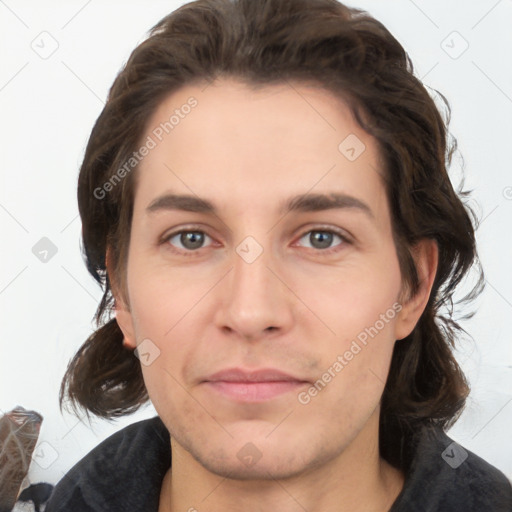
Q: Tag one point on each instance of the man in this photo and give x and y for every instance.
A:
(266, 201)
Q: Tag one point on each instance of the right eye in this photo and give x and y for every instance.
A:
(186, 240)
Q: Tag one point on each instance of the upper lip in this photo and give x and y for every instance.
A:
(261, 375)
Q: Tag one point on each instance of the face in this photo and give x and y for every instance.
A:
(280, 258)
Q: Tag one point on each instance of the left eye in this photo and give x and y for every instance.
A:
(322, 239)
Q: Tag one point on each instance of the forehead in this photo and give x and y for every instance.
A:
(229, 141)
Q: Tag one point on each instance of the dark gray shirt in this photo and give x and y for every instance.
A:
(124, 474)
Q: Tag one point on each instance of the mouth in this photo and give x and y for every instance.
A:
(252, 386)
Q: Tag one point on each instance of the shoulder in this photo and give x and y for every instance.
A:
(126, 468)
(444, 477)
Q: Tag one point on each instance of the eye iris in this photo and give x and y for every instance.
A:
(192, 239)
(323, 238)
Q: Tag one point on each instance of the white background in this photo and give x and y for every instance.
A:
(48, 107)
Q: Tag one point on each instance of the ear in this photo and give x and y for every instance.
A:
(425, 254)
(124, 316)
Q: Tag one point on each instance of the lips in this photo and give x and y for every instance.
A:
(263, 375)
(252, 386)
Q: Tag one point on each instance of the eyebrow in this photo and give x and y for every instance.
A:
(300, 203)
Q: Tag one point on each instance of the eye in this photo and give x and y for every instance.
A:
(187, 241)
(190, 241)
(322, 239)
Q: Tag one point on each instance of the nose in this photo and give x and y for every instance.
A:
(255, 301)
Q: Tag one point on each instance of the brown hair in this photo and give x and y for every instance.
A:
(352, 55)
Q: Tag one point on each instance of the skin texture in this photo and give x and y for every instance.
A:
(206, 308)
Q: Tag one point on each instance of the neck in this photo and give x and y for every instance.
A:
(356, 480)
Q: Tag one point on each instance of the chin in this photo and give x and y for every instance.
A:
(259, 457)
(273, 467)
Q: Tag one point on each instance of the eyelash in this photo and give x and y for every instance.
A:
(192, 253)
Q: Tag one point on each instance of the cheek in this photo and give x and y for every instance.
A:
(353, 297)
(168, 310)
(162, 297)
(360, 310)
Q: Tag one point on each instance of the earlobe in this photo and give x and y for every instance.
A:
(425, 255)
(125, 322)
(122, 313)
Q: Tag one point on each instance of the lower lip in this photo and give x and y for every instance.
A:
(254, 391)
